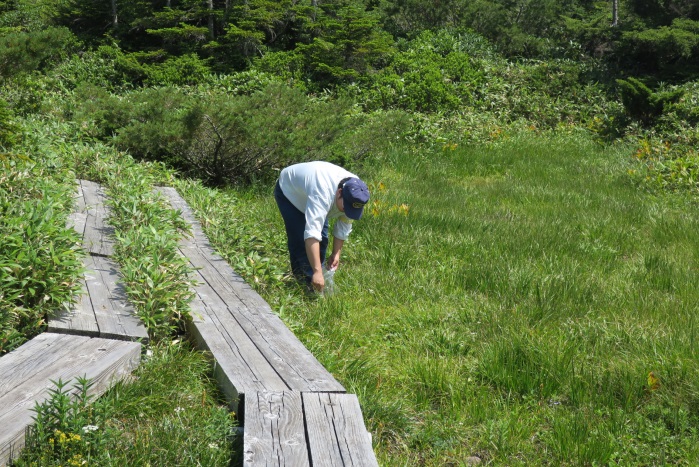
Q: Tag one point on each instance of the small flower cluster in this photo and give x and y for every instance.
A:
(379, 207)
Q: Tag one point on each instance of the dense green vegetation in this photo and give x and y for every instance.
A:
(521, 288)
(521, 301)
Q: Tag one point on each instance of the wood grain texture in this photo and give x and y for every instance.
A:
(115, 316)
(274, 432)
(26, 376)
(98, 234)
(78, 217)
(240, 366)
(290, 359)
(103, 309)
(336, 432)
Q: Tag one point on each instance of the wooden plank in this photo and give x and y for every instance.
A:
(78, 217)
(103, 309)
(274, 434)
(18, 366)
(115, 316)
(240, 367)
(336, 432)
(79, 319)
(98, 237)
(26, 374)
(297, 366)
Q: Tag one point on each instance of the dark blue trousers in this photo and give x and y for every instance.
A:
(295, 223)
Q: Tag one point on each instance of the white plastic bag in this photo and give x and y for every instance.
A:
(328, 276)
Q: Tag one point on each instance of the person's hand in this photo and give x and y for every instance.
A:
(333, 262)
(317, 281)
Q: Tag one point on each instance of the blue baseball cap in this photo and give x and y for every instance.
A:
(355, 194)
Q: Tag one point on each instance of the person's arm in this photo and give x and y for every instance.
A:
(334, 259)
(313, 253)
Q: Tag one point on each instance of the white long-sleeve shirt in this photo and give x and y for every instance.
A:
(311, 188)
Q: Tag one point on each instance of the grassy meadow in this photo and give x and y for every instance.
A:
(527, 301)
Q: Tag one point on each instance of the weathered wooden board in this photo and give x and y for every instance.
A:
(297, 366)
(26, 374)
(240, 366)
(78, 217)
(98, 235)
(336, 432)
(274, 434)
(103, 309)
(230, 317)
(79, 319)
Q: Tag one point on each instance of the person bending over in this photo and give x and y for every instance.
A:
(309, 195)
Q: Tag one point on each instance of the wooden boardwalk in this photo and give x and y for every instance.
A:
(293, 410)
(28, 372)
(102, 309)
(98, 338)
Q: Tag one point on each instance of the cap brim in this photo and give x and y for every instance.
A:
(354, 213)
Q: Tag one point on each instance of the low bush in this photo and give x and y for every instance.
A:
(9, 130)
(23, 52)
(39, 260)
(643, 104)
(222, 138)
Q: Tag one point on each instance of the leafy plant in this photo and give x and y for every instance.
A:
(69, 428)
(9, 130)
(40, 260)
(156, 276)
(643, 104)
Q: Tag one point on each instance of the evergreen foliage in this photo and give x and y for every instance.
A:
(218, 137)
(641, 103)
(26, 51)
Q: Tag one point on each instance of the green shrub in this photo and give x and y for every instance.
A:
(242, 83)
(9, 130)
(286, 65)
(39, 260)
(67, 428)
(179, 71)
(219, 137)
(643, 104)
(106, 67)
(22, 52)
(434, 72)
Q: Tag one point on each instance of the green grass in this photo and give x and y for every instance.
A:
(506, 301)
(169, 413)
